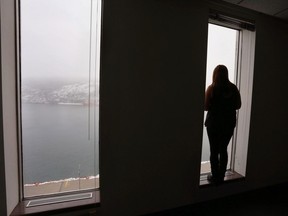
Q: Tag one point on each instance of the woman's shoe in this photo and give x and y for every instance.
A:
(210, 178)
(213, 180)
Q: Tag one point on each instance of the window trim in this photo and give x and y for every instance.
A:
(231, 147)
(226, 20)
(244, 81)
(246, 75)
(18, 97)
(57, 207)
(86, 205)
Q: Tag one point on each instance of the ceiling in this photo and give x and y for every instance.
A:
(277, 8)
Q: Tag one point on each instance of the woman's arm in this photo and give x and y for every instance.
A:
(237, 99)
(207, 98)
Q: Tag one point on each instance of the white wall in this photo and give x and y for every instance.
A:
(3, 208)
(152, 94)
(8, 68)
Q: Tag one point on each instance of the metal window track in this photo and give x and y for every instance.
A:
(59, 199)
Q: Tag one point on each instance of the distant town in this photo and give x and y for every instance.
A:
(77, 93)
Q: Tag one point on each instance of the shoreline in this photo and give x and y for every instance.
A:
(61, 186)
(60, 180)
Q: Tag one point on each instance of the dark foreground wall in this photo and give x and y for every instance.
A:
(152, 92)
(153, 75)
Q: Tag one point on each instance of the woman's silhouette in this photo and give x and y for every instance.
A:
(222, 99)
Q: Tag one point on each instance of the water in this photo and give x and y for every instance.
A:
(56, 143)
(205, 147)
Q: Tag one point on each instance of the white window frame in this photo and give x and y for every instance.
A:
(206, 164)
(96, 32)
(244, 82)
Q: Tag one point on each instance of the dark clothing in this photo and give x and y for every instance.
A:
(219, 140)
(221, 104)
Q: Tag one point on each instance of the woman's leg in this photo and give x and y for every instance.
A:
(223, 160)
(213, 137)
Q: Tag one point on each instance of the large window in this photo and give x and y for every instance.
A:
(231, 42)
(223, 49)
(59, 49)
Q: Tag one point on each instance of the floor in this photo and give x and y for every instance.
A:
(229, 176)
(272, 201)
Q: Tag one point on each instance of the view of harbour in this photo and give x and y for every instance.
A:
(60, 54)
(60, 61)
(56, 143)
(60, 132)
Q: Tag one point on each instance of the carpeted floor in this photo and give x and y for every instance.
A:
(272, 201)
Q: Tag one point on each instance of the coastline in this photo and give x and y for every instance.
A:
(61, 186)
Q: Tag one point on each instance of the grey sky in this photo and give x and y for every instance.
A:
(55, 36)
(55, 41)
(221, 50)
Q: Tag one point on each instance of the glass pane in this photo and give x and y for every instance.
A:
(222, 49)
(60, 95)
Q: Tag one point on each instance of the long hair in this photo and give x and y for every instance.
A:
(220, 76)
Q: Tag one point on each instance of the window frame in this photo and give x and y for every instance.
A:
(244, 81)
(236, 78)
(25, 200)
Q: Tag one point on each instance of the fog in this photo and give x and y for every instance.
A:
(55, 42)
(221, 50)
(55, 39)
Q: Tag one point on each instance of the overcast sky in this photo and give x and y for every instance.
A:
(55, 37)
(55, 41)
(221, 50)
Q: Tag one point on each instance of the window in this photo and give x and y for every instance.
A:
(59, 49)
(231, 42)
(222, 49)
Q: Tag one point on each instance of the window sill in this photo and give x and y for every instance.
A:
(230, 176)
(86, 204)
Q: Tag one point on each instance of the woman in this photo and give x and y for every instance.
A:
(222, 99)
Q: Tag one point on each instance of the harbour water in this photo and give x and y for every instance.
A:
(59, 142)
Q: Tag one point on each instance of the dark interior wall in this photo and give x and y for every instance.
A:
(268, 149)
(152, 91)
